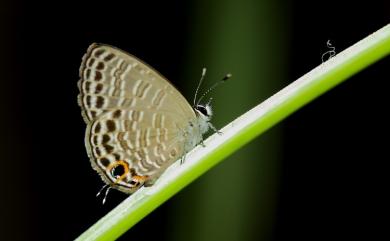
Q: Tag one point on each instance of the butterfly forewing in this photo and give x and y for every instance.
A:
(135, 118)
(111, 78)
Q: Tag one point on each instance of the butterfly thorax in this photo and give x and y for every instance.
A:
(196, 128)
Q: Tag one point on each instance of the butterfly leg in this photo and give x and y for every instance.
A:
(182, 159)
(202, 143)
(214, 129)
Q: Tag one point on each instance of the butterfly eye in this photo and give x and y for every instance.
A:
(202, 109)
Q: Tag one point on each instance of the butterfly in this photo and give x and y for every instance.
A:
(138, 123)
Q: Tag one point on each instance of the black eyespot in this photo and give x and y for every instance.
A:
(134, 183)
(202, 109)
(118, 171)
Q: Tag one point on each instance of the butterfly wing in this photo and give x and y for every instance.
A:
(134, 117)
(111, 78)
(147, 146)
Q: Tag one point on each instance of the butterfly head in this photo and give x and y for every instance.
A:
(204, 114)
(204, 111)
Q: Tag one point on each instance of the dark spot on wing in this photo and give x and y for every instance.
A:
(109, 148)
(99, 52)
(98, 76)
(91, 61)
(117, 114)
(105, 138)
(100, 66)
(99, 101)
(99, 88)
(110, 125)
(97, 150)
(109, 57)
(105, 162)
(98, 127)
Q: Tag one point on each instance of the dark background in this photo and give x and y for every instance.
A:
(330, 178)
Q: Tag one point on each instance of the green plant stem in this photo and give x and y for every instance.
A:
(241, 131)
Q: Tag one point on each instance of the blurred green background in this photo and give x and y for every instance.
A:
(317, 176)
(245, 38)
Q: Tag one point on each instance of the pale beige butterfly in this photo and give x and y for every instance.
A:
(137, 122)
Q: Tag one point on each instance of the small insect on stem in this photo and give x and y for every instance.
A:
(331, 52)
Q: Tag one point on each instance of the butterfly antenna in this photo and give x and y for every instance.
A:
(223, 80)
(208, 103)
(200, 82)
